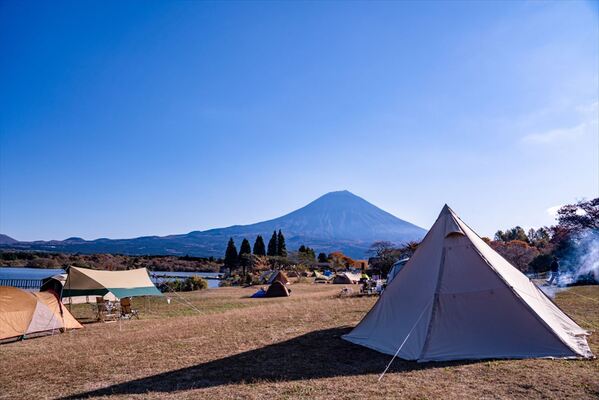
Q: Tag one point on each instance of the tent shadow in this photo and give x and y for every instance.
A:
(318, 354)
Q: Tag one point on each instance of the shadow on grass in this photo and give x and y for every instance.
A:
(318, 354)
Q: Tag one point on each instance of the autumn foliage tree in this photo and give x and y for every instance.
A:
(517, 252)
(340, 261)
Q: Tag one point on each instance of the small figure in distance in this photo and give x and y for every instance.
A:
(554, 268)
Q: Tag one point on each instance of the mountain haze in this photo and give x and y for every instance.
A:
(335, 221)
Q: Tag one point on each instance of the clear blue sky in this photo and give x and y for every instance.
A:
(120, 119)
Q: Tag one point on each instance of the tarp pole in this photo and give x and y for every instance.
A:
(70, 293)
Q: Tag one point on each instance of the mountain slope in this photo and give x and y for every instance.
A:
(5, 239)
(335, 221)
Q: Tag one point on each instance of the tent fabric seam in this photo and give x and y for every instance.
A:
(435, 305)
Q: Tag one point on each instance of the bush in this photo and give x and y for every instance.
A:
(192, 283)
(540, 263)
(225, 283)
(196, 283)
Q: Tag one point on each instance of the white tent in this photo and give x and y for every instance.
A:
(456, 298)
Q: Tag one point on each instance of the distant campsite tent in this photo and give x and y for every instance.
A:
(457, 298)
(279, 276)
(277, 289)
(259, 294)
(321, 277)
(266, 275)
(347, 278)
(24, 313)
(395, 269)
(130, 283)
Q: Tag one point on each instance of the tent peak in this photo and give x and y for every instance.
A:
(446, 209)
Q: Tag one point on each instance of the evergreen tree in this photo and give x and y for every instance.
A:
(281, 248)
(302, 249)
(272, 245)
(322, 258)
(231, 256)
(245, 252)
(310, 253)
(259, 249)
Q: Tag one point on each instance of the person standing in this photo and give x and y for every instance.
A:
(554, 268)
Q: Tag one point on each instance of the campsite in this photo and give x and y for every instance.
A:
(487, 331)
(279, 348)
(319, 200)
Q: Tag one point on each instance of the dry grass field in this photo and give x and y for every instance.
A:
(233, 347)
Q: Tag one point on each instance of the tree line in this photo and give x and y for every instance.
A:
(111, 262)
(233, 259)
(530, 251)
(533, 250)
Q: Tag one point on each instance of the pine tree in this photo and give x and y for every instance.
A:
(272, 245)
(310, 253)
(302, 249)
(259, 249)
(245, 252)
(281, 248)
(322, 258)
(231, 256)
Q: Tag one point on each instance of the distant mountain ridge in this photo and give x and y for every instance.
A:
(5, 239)
(335, 221)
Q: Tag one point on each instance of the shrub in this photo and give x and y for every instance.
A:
(196, 283)
(187, 285)
(540, 263)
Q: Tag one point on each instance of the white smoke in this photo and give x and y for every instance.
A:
(581, 262)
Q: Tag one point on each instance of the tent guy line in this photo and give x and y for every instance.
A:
(404, 341)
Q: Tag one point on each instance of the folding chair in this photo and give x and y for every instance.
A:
(126, 311)
(103, 313)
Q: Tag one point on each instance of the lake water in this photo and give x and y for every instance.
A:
(31, 278)
(211, 277)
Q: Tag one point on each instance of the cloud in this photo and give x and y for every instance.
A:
(555, 135)
(587, 113)
(552, 211)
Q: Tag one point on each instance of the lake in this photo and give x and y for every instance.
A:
(31, 278)
(211, 277)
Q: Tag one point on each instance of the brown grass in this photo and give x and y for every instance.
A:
(280, 348)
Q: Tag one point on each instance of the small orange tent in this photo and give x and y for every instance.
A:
(23, 313)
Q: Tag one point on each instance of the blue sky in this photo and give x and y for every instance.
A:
(120, 119)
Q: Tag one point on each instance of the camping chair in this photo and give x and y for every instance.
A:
(126, 311)
(103, 313)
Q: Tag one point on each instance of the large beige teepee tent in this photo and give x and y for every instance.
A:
(456, 298)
